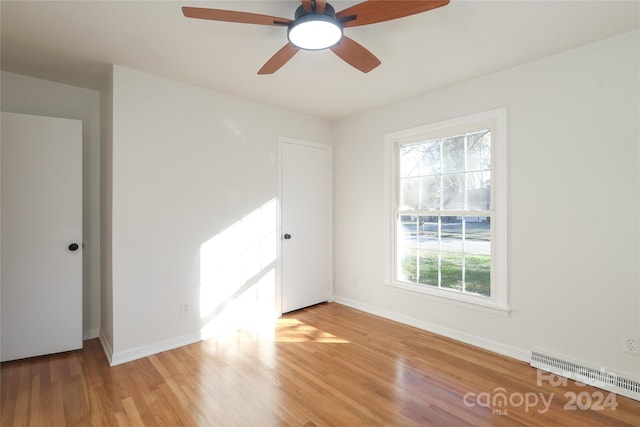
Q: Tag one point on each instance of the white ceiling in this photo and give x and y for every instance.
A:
(73, 42)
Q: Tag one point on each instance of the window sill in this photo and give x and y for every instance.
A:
(483, 304)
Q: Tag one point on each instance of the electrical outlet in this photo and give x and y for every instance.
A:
(184, 308)
(632, 346)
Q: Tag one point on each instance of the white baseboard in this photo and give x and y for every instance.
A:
(151, 349)
(105, 346)
(496, 347)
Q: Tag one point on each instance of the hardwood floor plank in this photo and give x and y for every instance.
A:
(131, 410)
(122, 420)
(23, 398)
(57, 404)
(327, 365)
(35, 409)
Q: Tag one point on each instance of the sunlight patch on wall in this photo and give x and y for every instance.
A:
(238, 275)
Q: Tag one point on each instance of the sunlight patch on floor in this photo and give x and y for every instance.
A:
(293, 330)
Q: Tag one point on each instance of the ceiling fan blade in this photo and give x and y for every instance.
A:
(320, 5)
(356, 55)
(279, 59)
(306, 5)
(372, 11)
(233, 16)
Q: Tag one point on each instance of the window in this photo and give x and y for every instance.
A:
(449, 209)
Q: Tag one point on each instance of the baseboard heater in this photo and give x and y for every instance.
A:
(587, 375)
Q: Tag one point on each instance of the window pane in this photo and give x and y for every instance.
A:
(453, 154)
(430, 157)
(451, 270)
(479, 191)
(430, 193)
(478, 235)
(477, 274)
(429, 268)
(409, 160)
(428, 232)
(453, 191)
(407, 267)
(408, 197)
(407, 230)
(451, 233)
(479, 150)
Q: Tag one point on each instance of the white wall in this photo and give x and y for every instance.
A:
(574, 193)
(187, 164)
(27, 95)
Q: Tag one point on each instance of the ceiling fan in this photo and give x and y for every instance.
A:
(318, 26)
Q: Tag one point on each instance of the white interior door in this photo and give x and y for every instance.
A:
(41, 179)
(305, 224)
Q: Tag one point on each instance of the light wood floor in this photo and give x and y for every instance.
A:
(326, 365)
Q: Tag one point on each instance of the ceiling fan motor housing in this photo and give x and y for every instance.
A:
(328, 10)
(322, 22)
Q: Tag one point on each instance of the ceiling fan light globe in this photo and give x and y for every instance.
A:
(314, 32)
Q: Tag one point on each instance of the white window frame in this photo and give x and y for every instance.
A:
(496, 120)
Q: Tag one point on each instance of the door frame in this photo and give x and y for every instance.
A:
(281, 141)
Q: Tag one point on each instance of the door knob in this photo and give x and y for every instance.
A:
(287, 236)
(73, 247)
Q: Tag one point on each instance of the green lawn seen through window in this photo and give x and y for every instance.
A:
(477, 270)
